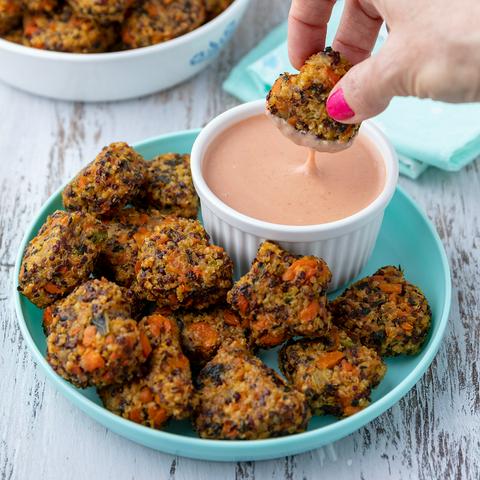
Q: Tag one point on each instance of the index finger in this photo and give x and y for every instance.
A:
(307, 28)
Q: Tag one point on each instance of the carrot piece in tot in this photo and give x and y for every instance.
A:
(390, 287)
(306, 264)
(350, 410)
(89, 335)
(52, 288)
(146, 395)
(145, 342)
(330, 359)
(91, 360)
(310, 311)
(242, 303)
(205, 333)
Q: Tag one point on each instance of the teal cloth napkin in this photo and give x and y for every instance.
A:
(424, 132)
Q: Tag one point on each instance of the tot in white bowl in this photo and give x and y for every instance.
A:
(118, 75)
(345, 244)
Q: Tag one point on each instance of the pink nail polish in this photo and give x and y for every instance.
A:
(338, 108)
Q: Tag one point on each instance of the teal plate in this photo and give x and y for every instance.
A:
(407, 238)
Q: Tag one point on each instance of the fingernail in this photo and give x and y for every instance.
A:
(337, 106)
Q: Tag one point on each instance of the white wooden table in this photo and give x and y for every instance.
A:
(433, 433)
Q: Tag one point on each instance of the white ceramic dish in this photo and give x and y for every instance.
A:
(118, 75)
(345, 244)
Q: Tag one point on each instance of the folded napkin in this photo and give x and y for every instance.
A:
(423, 132)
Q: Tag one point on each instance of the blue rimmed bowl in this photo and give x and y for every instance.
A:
(406, 238)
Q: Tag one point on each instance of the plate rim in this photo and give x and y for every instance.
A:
(232, 450)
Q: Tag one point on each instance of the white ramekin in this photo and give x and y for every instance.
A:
(118, 75)
(345, 244)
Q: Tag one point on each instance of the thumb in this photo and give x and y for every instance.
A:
(366, 89)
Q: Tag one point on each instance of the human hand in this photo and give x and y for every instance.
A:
(432, 51)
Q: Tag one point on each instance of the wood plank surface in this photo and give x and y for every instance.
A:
(433, 433)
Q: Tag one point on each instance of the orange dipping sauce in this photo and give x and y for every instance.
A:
(257, 171)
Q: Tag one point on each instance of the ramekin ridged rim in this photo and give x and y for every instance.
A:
(299, 233)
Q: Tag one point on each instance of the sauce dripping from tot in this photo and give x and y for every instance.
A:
(310, 166)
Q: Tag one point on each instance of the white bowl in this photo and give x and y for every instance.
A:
(118, 75)
(345, 244)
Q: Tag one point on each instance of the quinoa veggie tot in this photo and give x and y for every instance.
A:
(282, 295)
(241, 398)
(64, 31)
(125, 234)
(102, 11)
(92, 338)
(204, 332)
(165, 391)
(108, 183)
(10, 15)
(385, 312)
(16, 36)
(335, 373)
(39, 6)
(297, 104)
(169, 186)
(216, 7)
(155, 21)
(60, 257)
(178, 267)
